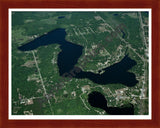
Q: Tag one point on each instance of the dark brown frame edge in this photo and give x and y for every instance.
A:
(6, 4)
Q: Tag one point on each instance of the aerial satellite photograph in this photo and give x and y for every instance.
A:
(80, 62)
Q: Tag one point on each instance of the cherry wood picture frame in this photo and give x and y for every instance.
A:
(106, 4)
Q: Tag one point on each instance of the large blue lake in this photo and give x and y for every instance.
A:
(70, 53)
(98, 100)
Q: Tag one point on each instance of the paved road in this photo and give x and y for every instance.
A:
(45, 92)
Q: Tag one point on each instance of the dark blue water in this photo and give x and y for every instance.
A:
(114, 74)
(123, 33)
(115, 14)
(60, 17)
(70, 53)
(98, 100)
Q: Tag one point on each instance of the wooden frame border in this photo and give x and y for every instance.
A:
(6, 4)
